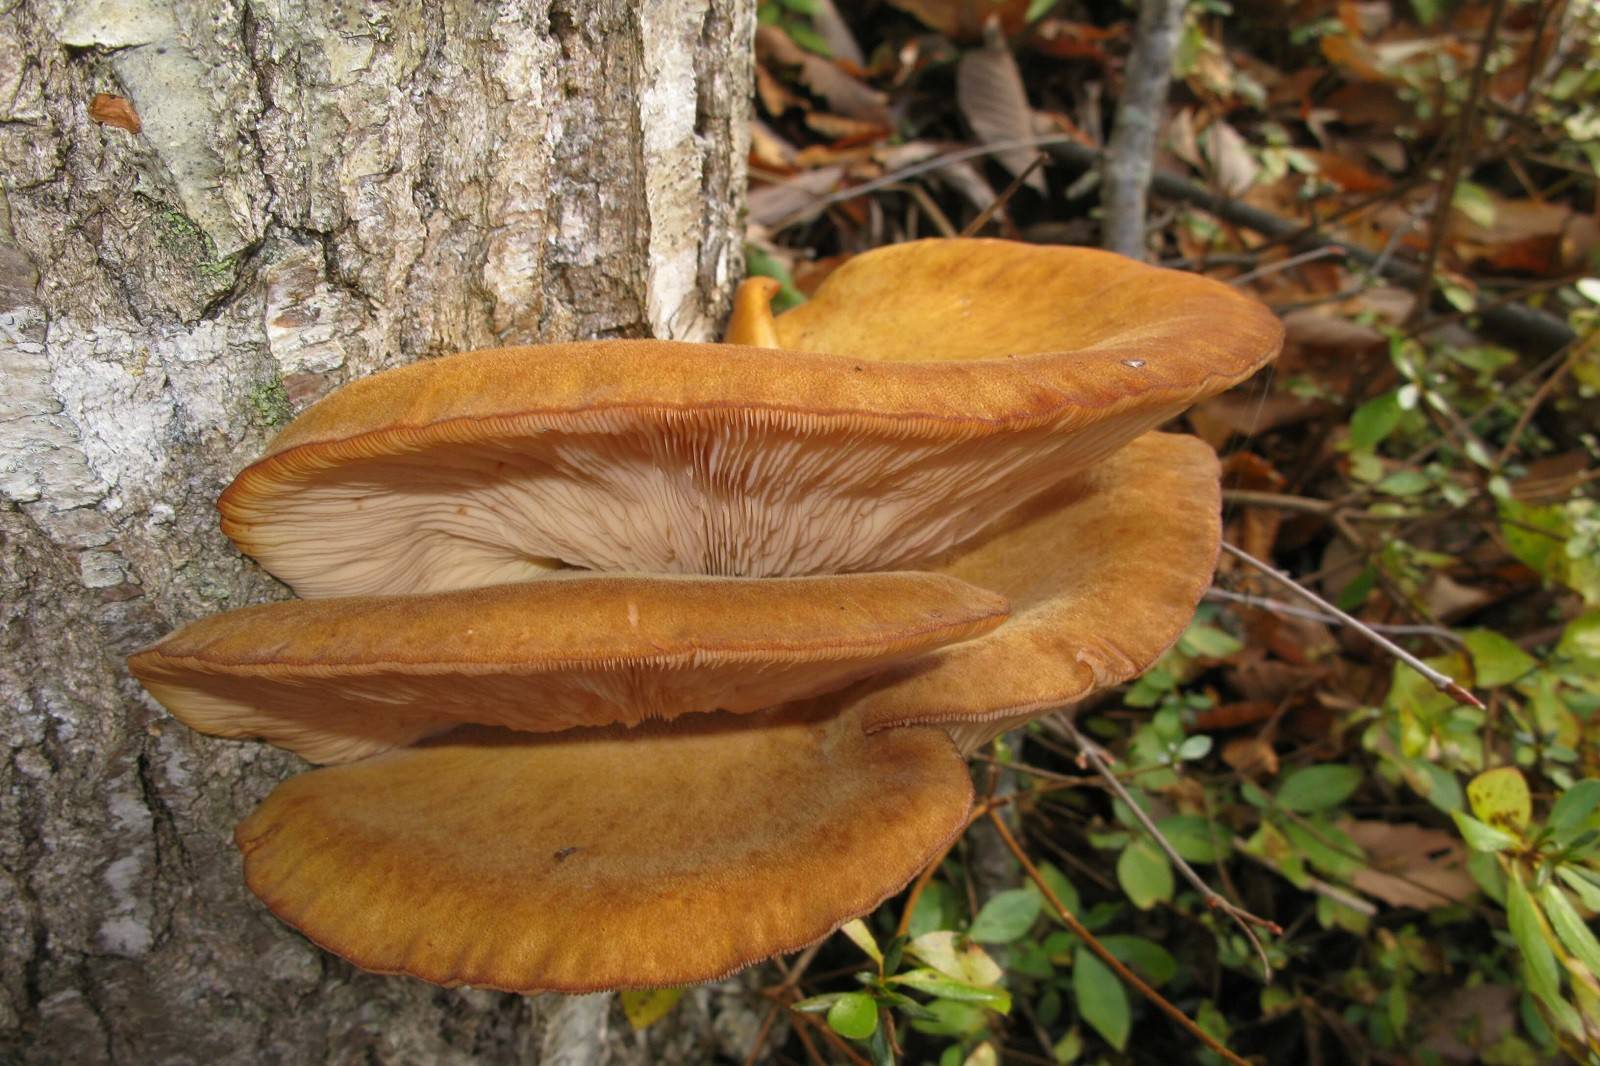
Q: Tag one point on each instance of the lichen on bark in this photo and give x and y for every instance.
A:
(320, 189)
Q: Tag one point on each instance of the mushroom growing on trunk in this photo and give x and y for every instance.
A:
(646, 660)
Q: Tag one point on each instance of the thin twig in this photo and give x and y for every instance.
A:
(1315, 884)
(1277, 500)
(1327, 251)
(1448, 685)
(1453, 167)
(938, 162)
(1291, 611)
(1102, 953)
(1534, 329)
(1540, 395)
(1241, 917)
(971, 229)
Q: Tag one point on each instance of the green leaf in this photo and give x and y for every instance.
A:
(643, 1007)
(862, 938)
(936, 908)
(1575, 806)
(1147, 958)
(808, 38)
(1317, 788)
(1191, 837)
(1404, 483)
(1474, 201)
(1145, 874)
(1500, 798)
(854, 1015)
(818, 1004)
(1585, 886)
(1068, 1048)
(1005, 917)
(1195, 747)
(1102, 1001)
(1373, 421)
(1208, 642)
(1496, 660)
(951, 1018)
(1061, 888)
(1481, 837)
(934, 983)
(1538, 960)
(1580, 642)
(1569, 926)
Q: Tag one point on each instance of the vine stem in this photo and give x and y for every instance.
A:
(1102, 953)
(1241, 917)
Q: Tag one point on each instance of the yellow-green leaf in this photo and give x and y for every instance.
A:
(861, 937)
(1570, 927)
(1500, 798)
(643, 1007)
(1495, 659)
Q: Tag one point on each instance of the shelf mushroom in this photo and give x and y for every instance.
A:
(335, 680)
(928, 388)
(915, 511)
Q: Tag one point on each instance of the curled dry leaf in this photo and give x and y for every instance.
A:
(845, 93)
(989, 90)
(965, 19)
(109, 110)
(1253, 756)
(1410, 865)
(1232, 166)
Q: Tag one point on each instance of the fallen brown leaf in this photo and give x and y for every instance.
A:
(1410, 865)
(991, 96)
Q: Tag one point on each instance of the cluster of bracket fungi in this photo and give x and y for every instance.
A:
(641, 661)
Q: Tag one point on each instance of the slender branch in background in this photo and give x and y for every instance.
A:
(1130, 157)
(1102, 953)
(1466, 126)
(1448, 685)
(1091, 753)
(1288, 610)
(999, 202)
(1535, 330)
(1540, 395)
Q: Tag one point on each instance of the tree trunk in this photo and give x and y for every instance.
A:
(314, 190)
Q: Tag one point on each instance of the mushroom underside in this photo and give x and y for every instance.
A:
(1103, 575)
(587, 860)
(754, 499)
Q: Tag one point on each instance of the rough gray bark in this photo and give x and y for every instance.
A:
(1130, 155)
(321, 188)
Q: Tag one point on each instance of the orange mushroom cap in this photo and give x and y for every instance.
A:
(1103, 574)
(586, 860)
(340, 679)
(926, 388)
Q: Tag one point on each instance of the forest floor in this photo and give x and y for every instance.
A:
(1411, 186)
